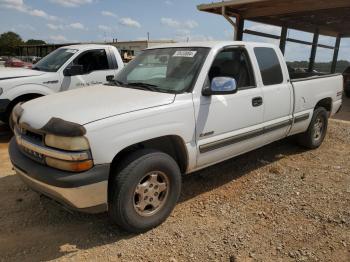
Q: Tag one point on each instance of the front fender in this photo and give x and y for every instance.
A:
(26, 89)
(110, 136)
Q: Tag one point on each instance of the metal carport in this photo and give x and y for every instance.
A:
(325, 17)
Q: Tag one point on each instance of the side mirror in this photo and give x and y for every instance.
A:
(221, 86)
(73, 70)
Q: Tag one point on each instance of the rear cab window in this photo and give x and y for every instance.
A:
(269, 65)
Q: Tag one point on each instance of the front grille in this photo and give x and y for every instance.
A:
(31, 143)
(33, 137)
(33, 155)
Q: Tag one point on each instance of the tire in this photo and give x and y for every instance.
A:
(13, 104)
(316, 131)
(8, 121)
(347, 93)
(7, 117)
(127, 204)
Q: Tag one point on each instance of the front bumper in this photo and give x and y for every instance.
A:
(86, 191)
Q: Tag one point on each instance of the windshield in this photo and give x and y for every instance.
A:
(171, 70)
(54, 61)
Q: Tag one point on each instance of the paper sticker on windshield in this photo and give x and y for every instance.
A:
(190, 54)
(73, 51)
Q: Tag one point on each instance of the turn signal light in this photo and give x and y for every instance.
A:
(72, 166)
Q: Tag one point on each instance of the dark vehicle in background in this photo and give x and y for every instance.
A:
(346, 76)
(15, 62)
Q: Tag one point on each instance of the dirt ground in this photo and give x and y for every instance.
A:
(278, 203)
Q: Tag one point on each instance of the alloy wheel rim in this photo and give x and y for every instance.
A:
(151, 193)
(318, 129)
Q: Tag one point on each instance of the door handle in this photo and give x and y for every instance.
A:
(109, 78)
(257, 101)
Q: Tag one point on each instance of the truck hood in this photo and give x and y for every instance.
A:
(85, 105)
(13, 73)
(12, 77)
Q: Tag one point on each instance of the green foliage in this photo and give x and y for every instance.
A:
(9, 43)
(324, 67)
(35, 42)
(342, 65)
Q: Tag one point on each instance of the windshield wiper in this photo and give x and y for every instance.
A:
(139, 85)
(144, 86)
(36, 68)
(115, 83)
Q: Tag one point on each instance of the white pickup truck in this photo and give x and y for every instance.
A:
(175, 109)
(66, 68)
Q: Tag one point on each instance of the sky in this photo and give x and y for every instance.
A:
(57, 21)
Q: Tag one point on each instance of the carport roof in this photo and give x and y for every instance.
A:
(330, 17)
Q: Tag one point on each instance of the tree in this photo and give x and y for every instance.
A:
(35, 42)
(9, 43)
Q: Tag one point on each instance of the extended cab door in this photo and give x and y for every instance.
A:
(277, 93)
(228, 125)
(97, 67)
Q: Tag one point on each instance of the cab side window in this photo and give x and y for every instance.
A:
(233, 63)
(269, 64)
(93, 60)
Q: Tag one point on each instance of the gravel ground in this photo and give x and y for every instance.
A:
(278, 203)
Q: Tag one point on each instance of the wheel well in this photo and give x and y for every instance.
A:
(22, 98)
(171, 145)
(326, 103)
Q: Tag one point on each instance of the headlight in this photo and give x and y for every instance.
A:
(74, 144)
(67, 143)
(1, 91)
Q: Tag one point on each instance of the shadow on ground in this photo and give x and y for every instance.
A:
(5, 133)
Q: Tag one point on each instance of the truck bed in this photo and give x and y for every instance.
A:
(309, 91)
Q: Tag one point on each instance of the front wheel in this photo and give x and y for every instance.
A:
(144, 191)
(8, 117)
(316, 131)
(347, 93)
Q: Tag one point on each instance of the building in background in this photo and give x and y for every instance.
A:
(127, 49)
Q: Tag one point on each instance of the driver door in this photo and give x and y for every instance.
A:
(229, 124)
(96, 69)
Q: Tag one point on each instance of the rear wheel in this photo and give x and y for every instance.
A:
(316, 131)
(144, 191)
(347, 93)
